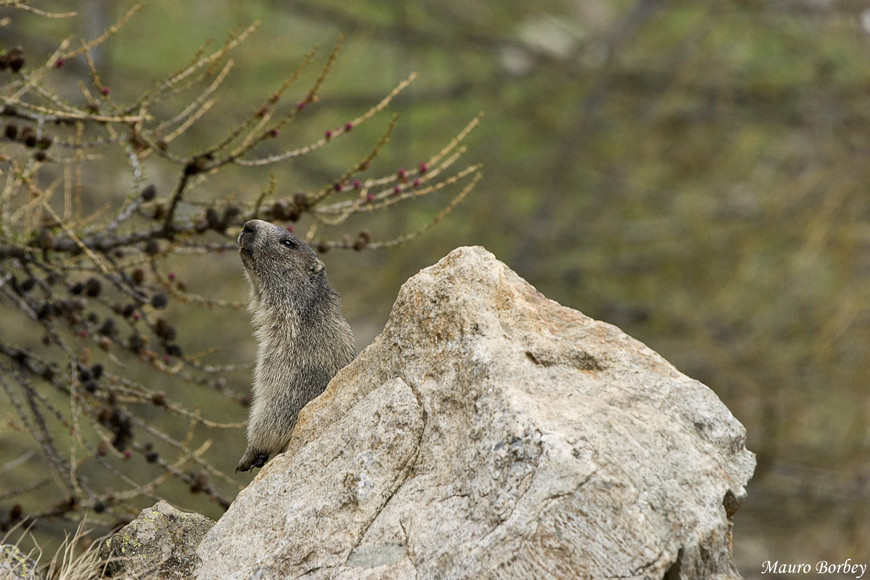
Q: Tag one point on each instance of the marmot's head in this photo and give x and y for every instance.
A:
(280, 267)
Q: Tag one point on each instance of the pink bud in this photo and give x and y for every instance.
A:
(348, 126)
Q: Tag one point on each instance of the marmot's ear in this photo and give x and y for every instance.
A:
(316, 266)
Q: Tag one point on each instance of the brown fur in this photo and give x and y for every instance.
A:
(303, 338)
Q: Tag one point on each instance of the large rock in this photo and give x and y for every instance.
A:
(491, 432)
(160, 543)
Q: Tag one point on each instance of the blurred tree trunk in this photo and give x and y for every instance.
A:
(97, 17)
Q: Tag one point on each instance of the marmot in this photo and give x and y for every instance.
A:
(303, 338)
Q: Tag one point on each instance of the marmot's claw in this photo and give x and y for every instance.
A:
(261, 460)
(252, 459)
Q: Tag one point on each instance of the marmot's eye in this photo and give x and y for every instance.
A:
(288, 243)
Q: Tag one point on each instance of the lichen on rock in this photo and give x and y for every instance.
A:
(16, 565)
(160, 543)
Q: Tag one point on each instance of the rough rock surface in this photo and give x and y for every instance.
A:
(16, 565)
(490, 432)
(160, 543)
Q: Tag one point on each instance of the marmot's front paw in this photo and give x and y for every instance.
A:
(251, 459)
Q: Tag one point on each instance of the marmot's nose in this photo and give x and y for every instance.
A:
(250, 227)
(248, 233)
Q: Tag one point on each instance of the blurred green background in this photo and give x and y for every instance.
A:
(693, 172)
